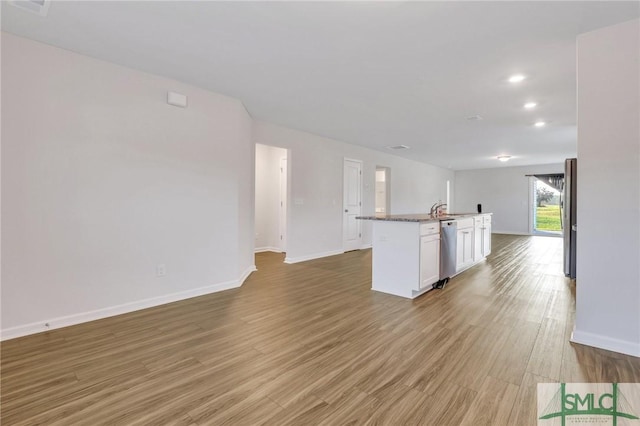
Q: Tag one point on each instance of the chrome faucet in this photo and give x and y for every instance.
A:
(434, 208)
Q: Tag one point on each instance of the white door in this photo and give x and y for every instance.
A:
(352, 205)
(283, 205)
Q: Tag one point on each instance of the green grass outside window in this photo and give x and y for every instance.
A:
(548, 218)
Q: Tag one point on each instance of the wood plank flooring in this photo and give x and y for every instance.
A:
(311, 344)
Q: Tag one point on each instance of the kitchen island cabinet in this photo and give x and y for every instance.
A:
(407, 252)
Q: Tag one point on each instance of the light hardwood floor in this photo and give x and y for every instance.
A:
(310, 344)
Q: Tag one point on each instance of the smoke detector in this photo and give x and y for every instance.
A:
(396, 147)
(39, 7)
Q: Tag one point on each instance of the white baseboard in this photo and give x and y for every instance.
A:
(366, 246)
(65, 321)
(604, 342)
(246, 274)
(312, 256)
(263, 249)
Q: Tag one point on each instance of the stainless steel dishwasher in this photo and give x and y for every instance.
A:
(448, 238)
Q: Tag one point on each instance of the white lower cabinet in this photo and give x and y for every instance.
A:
(477, 239)
(406, 257)
(429, 260)
(464, 248)
(486, 237)
(473, 241)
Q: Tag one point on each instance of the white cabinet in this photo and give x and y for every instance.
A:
(473, 242)
(477, 239)
(486, 235)
(464, 248)
(406, 257)
(429, 260)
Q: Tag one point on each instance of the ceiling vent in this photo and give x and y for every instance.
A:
(39, 7)
(398, 147)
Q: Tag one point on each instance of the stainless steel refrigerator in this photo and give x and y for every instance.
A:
(569, 207)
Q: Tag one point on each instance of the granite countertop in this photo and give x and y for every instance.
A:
(418, 217)
(401, 217)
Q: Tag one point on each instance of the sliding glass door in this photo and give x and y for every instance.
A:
(547, 213)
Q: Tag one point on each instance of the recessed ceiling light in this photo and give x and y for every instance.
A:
(539, 124)
(516, 78)
(503, 158)
(476, 117)
(399, 147)
(530, 105)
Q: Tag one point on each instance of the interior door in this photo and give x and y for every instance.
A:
(352, 205)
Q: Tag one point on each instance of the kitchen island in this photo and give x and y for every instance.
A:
(408, 249)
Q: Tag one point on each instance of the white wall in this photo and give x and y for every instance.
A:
(268, 197)
(503, 191)
(102, 181)
(243, 174)
(316, 167)
(608, 250)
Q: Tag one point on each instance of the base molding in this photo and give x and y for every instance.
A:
(245, 274)
(604, 342)
(66, 321)
(263, 249)
(312, 256)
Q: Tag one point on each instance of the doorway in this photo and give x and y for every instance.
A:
(271, 199)
(546, 211)
(352, 205)
(383, 187)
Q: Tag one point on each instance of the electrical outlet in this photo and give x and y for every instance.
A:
(161, 270)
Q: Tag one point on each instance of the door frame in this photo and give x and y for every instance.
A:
(283, 213)
(387, 189)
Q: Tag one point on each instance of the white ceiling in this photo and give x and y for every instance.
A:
(369, 73)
